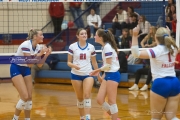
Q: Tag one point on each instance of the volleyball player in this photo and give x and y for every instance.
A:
(164, 94)
(20, 73)
(111, 67)
(80, 56)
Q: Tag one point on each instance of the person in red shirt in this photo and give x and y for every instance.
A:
(75, 8)
(57, 12)
(177, 64)
(174, 21)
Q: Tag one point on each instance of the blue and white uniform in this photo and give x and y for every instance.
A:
(162, 67)
(23, 69)
(113, 73)
(82, 58)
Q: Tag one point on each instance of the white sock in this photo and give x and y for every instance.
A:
(82, 117)
(15, 117)
(88, 117)
(27, 119)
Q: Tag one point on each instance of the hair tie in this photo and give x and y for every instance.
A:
(165, 35)
(105, 31)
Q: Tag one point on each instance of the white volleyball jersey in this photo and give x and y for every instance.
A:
(109, 52)
(162, 62)
(26, 47)
(82, 58)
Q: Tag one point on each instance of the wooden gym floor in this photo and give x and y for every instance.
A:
(58, 102)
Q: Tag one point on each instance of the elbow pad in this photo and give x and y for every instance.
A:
(105, 67)
(135, 51)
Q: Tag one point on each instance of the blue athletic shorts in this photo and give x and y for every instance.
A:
(114, 76)
(166, 87)
(19, 70)
(78, 77)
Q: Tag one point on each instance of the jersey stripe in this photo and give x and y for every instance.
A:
(152, 53)
(25, 49)
(93, 53)
(169, 56)
(108, 54)
(70, 51)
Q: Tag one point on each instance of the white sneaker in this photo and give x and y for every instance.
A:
(134, 87)
(145, 87)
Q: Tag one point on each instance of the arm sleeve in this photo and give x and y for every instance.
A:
(25, 48)
(93, 52)
(108, 51)
(70, 50)
(99, 21)
(89, 21)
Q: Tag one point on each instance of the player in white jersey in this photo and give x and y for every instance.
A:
(111, 75)
(164, 94)
(80, 56)
(20, 72)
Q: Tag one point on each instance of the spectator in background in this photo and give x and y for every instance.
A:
(49, 64)
(75, 8)
(132, 60)
(134, 22)
(126, 39)
(94, 22)
(116, 39)
(95, 6)
(119, 19)
(149, 40)
(57, 12)
(143, 71)
(130, 11)
(170, 16)
(123, 62)
(168, 7)
(144, 26)
(174, 22)
(177, 64)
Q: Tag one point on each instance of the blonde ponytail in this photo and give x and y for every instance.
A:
(31, 33)
(170, 44)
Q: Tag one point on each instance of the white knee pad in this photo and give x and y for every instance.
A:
(105, 106)
(20, 105)
(113, 109)
(28, 105)
(175, 118)
(87, 103)
(80, 104)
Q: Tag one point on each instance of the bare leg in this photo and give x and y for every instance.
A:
(157, 104)
(78, 88)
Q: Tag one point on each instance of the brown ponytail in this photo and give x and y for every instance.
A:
(107, 37)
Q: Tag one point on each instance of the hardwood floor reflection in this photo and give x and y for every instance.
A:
(58, 102)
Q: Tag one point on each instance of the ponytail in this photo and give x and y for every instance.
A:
(112, 40)
(107, 37)
(170, 44)
(31, 33)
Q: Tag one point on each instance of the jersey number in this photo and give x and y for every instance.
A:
(83, 56)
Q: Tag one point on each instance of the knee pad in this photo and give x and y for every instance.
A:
(105, 106)
(175, 118)
(28, 105)
(113, 109)
(20, 105)
(87, 103)
(80, 104)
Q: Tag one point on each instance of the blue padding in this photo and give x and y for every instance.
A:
(92, 41)
(108, 25)
(124, 77)
(118, 33)
(66, 48)
(53, 74)
(63, 57)
(98, 57)
(62, 66)
(134, 68)
(97, 47)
